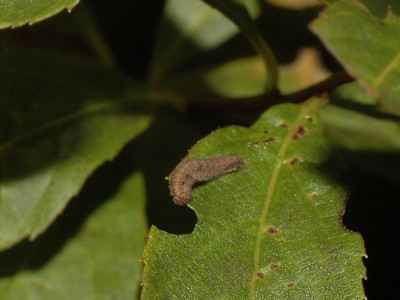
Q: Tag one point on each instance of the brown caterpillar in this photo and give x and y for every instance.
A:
(191, 171)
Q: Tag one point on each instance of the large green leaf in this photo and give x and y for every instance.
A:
(60, 118)
(269, 231)
(367, 47)
(100, 262)
(17, 12)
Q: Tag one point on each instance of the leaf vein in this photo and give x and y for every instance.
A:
(268, 199)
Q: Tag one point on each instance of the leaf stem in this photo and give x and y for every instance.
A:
(94, 38)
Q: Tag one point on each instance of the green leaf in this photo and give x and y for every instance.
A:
(245, 76)
(269, 231)
(100, 262)
(307, 69)
(359, 132)
(353, 122)
(60, 118)
(237, 11)
(367, 47)
(380, 8)
(238, 78)
(16, 12)
(363, 132)
(187, 29)
(241, 77)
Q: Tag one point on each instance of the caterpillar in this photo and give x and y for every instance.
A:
(189, 172)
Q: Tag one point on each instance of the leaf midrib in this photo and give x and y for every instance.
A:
(270, 192)
(51, 124)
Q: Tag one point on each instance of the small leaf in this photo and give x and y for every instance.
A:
(241, 77)
(245, 77)
(100, 262)
(353, 122)
(16, 12)
(307, 69)
(368, 48)
(187, 29)
(192, 27)
(269, 231)
(363, 132)
(359, 132)
(238, 78)
(239, 13)
(60, 118)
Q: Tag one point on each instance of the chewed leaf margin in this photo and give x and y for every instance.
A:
(271, 230)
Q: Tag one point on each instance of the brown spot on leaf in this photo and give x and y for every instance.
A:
(309, 118)
(290, 284)
(294, 161)
(260, 275)
(299, 132)
(273, 266)
(272, 230)
(284, 125)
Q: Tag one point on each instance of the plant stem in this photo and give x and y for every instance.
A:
(94, 38)
(260, 103)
